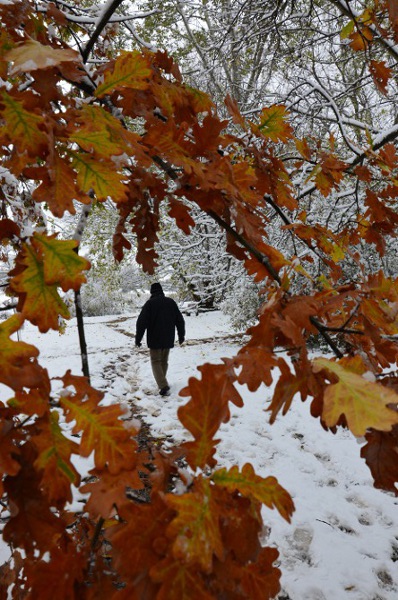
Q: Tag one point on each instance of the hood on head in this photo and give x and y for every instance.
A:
(156, 288)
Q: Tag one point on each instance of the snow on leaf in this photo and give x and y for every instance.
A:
(362, 402)
(195, 530)
(131, 70)
(273, 124)
(102, 430)
(246, 482)
(31, 55)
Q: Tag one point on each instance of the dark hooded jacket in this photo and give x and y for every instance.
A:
(160, 316)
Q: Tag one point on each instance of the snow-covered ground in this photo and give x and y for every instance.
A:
(342, 543)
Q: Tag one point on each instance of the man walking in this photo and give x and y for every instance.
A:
(160, 316)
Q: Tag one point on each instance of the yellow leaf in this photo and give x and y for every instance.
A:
(30, 55)
(273, 123)
(99, 131)
(62, 265)
(18, 367)
(102, 430)
(347, 30)
(41, 303)
(196, 527)
(131, 70)
(22, 126)
(100, 176)
(268, 491)
(58, 473)
(44, 265)
(362, 402)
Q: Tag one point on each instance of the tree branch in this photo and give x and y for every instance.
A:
(103, 20)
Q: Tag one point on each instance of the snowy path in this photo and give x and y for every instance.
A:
(342, 543)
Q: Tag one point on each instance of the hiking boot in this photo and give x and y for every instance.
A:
(165, 391)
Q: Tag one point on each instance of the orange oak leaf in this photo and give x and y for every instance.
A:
(288, 385)
(130, 70)
(9, 230)
(54, 460)
(139, 540)
(381, 74)
(179, 581)
(33, 402)
(10, 438)
(233, 109)
(260, 580)
(18, 364)
(267, 491)
(256, 366)
(304, 148)
(360, 39)
(362, 402)
(109, 490)
(60, 574)
(32, 525)
(102, 430)
(381, 455)
(328, 173)
(195, 531)
(393, 13)
(239, 514)
(31, 55)
(180, 212)
(388, 156)
(58, 188)
(206, 410)
(207, 134)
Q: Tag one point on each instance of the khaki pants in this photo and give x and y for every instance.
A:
(159, 364)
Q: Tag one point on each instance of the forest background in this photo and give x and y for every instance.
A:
(255, 170)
